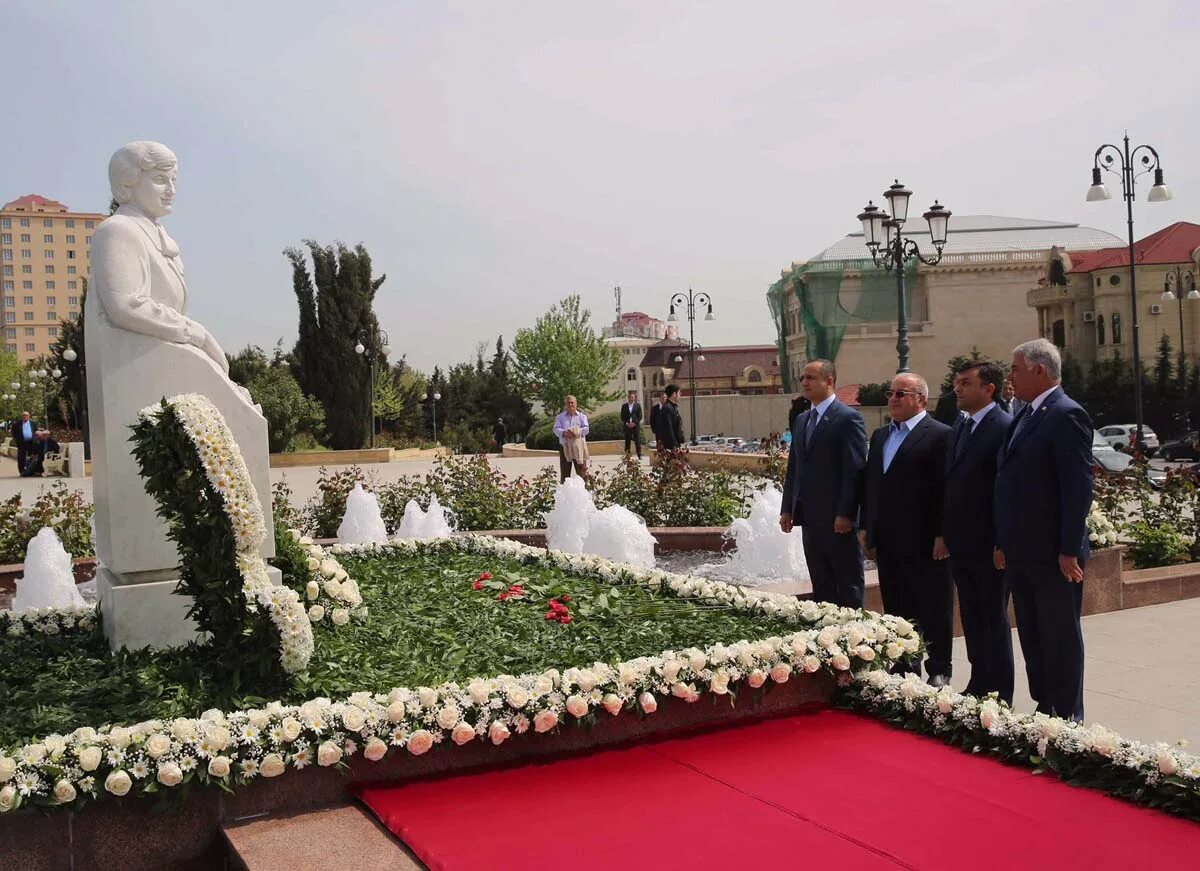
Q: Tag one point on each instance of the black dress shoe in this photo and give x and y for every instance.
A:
(939, 680)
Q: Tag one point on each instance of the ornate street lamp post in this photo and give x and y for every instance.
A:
(371, 346)
(436, 397)
(891, 250)
(692, 300)
(71, 355)
(1181, 285)
(1122, 162)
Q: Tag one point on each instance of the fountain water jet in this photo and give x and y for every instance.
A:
(363, 521)
(49, 580)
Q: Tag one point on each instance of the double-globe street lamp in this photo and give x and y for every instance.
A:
(692, 300)
(892, 250)
(71, 355)
(1128, 165)
(1181, 284)
(371, 346)
(436, 397)
(45, 376)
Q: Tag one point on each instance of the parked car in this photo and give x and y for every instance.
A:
(1107, 457)
(1184, 448)
(1119, 436)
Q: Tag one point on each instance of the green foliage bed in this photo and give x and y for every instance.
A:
(427, 625)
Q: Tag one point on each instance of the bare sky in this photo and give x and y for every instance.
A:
(494, 157)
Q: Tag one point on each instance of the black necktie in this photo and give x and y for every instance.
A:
(964, 433)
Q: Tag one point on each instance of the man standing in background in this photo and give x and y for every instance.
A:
(571, 429)
(670, 422)
(631, 422)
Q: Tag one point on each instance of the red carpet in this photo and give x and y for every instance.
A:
(827, 786)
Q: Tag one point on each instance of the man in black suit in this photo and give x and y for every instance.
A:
(969, 527)
(902, 520)
(24, 435)
(821, 489)
(670, 423)
(631, 422)
(36, 463)
(1043, 495)
(656, 418)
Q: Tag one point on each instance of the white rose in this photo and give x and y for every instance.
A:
(157, 744)
(312, 589)
(313, 564)
(169, 774)
(118, 782)
(448, 716)
(119, 737)
(258, 719)
(55, 745)
(328, 754)
(577, 706)
(478, 691)
(8, 798)
(877, 679)
(184, 730)
(395, 712)
(944, 703)
(987, 714)
(329, 568)
(545, 721)
(865, 653)
(498, 732)
(218, 766)
(903, 627)
(811, 663)
(375, 749)
(427, 697)
(64, 792)
(89, 759)
(272, 765)
(894, 650)
(756, 678)
(855, 636)
(419, 742)
(648, 703)
(218, 737)
(8, 767)
(586, 680)
(841, 662)
(780, 672)
(1104, 742)
(290, 729)
(340, 617)
(213, 715)
(316, 613)
(828, 636)
(612, 703)
(670, 670)
(463, 733)
(697, 661)
(353, 718)
(1167, 763)
(719, 683)
(517, 696)
(911, 643)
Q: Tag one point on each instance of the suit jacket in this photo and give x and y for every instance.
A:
(655, 417)
(1044, 483)
(670, 426)
(823, 476)
(969, 512)
(902, 507)
(17, 432)
(631, 413)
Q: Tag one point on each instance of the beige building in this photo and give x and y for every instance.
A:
(839, 305)
(632, 335)
(1082, 301)
(44, 260)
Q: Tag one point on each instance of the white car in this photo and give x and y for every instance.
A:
(1119, 435)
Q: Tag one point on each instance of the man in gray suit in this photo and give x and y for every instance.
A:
(822, 487)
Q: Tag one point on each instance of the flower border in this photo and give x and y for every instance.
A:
(49, 621)
(1159, 775)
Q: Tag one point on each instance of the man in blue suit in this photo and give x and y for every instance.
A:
(969, 527)
(822, 487)
(1043, 495)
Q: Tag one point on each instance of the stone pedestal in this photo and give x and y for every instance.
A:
(75, 467)
(144, 611)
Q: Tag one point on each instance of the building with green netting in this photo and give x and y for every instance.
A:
(839, 306)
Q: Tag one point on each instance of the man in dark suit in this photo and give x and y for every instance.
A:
(24, 435)
(821, 489)
(36, 464)
(670, 423)
(902, 520)
(1043, 495)
(656, 419)
(969, 527)
(631, 422)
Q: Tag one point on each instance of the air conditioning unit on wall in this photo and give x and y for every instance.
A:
(1156, 309)
(1089, 317)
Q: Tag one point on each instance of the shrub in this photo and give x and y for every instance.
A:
(323, 514)
(1157, 545)
(62, 509)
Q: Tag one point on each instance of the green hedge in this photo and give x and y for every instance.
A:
(603, 428)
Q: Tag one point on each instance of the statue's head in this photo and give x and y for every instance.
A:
(142, 174)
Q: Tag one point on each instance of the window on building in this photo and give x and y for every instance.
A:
(24, 222)
(89, 225)
(50, 286)
(51, 300)
(48, 253)
(5, 223)
(1059, 333)
(24, 238)
(10, 285)
(10, 332)
(12, 349)
(29, 331)
(73, 316)
(51, 316)
(72, 300)
(49, 268)
(1116, 329)
(30, 347)
(754, 377)
(7, 255)
(47, 222)
(28, 300)
(70, 222)
(1099, 329)
(10, 302)
(71, 255)
(26, 253)
(28, 316)
(5, 238)
(53, 331)
(631, 375)
(87, 240)
(10, 317)
(70, 270)
(48, 239)
(26, 285)
(70, 239)
(72, 285)
(25, 270)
